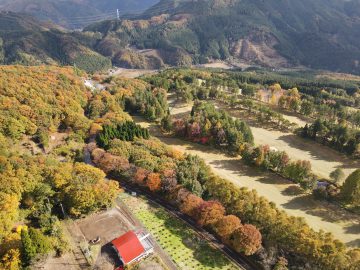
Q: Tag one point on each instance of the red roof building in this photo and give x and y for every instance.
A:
(132, 246)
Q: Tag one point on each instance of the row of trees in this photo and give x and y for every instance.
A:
(179, 183)
(336, 135)
(279, 162)
(208, 125)
(190, 185)
(290, 235)
(263, 114)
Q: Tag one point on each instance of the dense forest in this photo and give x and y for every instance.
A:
(266, 33)
(41, 181)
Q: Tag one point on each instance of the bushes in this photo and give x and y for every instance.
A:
(34, 244)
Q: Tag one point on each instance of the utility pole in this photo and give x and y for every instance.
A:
(118, 14)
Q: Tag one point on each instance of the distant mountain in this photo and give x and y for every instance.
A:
(276, 33)
(75, 13)
(24, 40)
(320, 34)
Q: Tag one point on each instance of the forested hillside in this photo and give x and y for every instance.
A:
(318, 34)
(26, 41)
(75, 14)
(42, 177)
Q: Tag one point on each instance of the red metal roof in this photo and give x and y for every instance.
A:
(128, 246)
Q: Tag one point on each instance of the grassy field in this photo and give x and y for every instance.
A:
(182, 244)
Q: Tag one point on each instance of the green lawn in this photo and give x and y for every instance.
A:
(182, 244)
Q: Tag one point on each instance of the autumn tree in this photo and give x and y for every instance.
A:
(246, 239)
(140, 176)
(168, 180)
(209, 212)
(34, 244)
(153, 181)
(225, 226)
(88, 190)
(111, 163)
(8, 212)
(190, 204)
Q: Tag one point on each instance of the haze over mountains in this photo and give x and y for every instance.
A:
(321, 34)
(75, 13)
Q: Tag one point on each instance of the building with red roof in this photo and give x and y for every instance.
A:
(133, 246)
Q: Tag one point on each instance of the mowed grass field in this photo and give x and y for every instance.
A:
(176, 238)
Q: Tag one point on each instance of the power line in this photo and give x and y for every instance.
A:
(95, 15)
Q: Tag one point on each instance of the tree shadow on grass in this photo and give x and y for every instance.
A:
(354, 243)
(293, 190)
(354, 229)
(319, 151)
(202, 251)
(324, 210)
(241, 169)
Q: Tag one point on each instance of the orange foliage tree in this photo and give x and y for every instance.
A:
(190, 204)
(246, 239)
(225, 226)
(209, 212)
(153, 181)
(140, 176)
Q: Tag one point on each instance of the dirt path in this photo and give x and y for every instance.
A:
(130, 73)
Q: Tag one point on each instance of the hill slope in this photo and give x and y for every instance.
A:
(320, 34)
(75, 13)
(24, 40)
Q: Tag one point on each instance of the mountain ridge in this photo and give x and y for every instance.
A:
(75, 13)
(322, 34)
